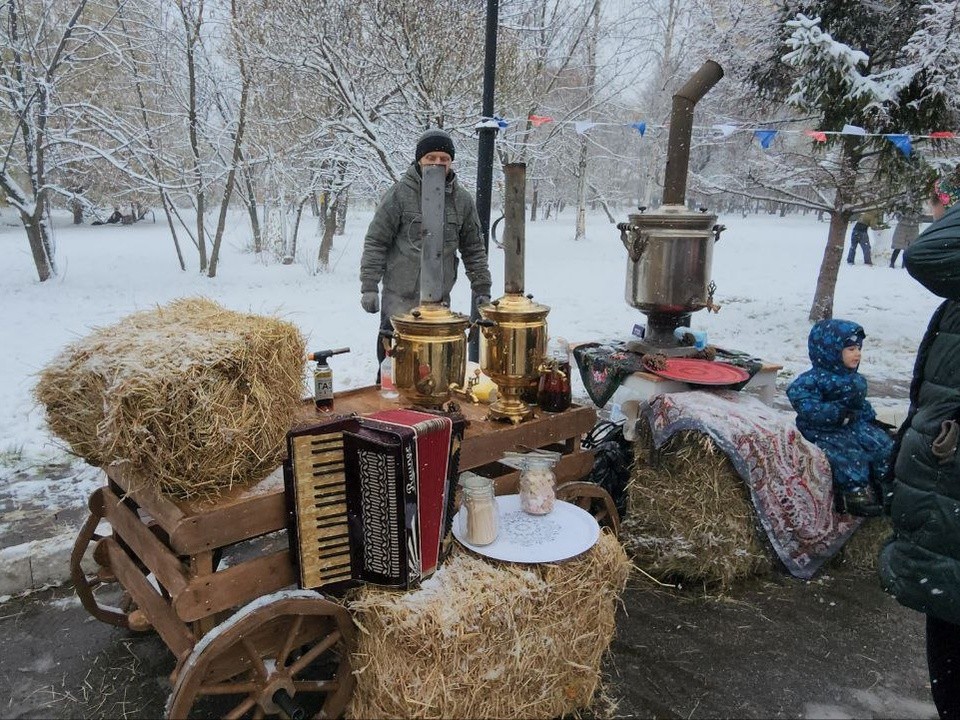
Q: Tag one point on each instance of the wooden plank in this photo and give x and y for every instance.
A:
(159, 612)
(161, 508)
(482, 448)
(144, 544)
(220, 525)
(198, 525)
(235, 585)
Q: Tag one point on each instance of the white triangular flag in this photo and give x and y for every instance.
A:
(581, 127)
(726, 129)
(853, 130)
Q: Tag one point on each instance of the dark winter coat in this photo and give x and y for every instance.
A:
(391, 248)
(833, 411)
(920, 564)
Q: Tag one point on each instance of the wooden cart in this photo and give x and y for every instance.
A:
(238, 630)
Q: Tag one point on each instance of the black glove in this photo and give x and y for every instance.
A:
(848, 417)
(370, 301)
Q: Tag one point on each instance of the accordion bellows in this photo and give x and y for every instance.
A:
(371, 499)
(193, 397)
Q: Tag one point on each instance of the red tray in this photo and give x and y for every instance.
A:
(701, 372)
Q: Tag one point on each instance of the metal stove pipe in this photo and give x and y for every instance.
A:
(514, 227)
(681, 128)
(432, 188)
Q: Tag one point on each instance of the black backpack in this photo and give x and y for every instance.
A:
(612, 460)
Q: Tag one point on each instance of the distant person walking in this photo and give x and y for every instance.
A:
(920, 564)
(905, 233)
(860, 237)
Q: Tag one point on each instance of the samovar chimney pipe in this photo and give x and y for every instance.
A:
(681, 129)
(432, 188)
(514, 233)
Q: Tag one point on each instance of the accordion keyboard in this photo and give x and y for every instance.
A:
(321, 505)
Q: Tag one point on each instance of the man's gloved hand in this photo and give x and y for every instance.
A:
(370, 301)
(482, 300)
(848, 416)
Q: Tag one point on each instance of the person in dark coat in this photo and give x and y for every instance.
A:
(833, 413)
(391, 248)
(860, 236)
(920, 564)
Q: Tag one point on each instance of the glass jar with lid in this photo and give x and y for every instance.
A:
(538, 483)
(478, 523)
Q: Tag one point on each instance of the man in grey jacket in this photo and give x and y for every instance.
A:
(391, 248)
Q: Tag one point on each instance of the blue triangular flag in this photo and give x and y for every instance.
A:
(902, 143)
(765, 137)
(640, 127)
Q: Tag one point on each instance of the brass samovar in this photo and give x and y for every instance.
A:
(514, 327)
(429, 342)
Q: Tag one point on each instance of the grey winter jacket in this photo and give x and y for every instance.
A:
(920, 564)
(905, 232)
(391, 248)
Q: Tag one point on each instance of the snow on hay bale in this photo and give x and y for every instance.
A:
(196, 397)
(489, 640)
(689, 515)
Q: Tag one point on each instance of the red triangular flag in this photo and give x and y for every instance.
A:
(942, 135)
(817, 135)
(538, 120)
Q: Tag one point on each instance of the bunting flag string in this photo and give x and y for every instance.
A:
(764, 135)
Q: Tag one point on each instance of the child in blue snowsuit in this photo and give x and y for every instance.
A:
(833, 413)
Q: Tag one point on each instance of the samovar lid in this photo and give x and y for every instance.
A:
(673, 217)
(514, 306)
(431, 314)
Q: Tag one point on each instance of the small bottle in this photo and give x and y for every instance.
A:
(388, 389)
(554, 391)
(478, 520)
(323, 378)
(323, 387)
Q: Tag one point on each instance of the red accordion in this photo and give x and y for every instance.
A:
(370, 499)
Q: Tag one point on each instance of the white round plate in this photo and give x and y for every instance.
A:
(523, 538)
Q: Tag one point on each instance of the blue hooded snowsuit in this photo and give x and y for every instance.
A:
(833, 411)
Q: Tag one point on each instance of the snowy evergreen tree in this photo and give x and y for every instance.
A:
(884, 67)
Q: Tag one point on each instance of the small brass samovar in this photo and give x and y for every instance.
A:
(429, 353)
(514, 328)
(429, 342)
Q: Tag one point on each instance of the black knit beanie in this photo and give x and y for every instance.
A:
(434, 141)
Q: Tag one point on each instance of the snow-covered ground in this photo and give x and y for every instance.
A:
(765, 268)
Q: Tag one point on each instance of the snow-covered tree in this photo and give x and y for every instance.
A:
(877, 66)
(42, 51)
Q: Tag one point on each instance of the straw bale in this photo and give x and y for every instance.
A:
(195, 397)
(483, 639)
(863, 548)
(689, 515)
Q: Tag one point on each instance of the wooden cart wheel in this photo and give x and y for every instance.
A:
(594, 499)
(287, 651)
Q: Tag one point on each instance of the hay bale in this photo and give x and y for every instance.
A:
(689, 516)
(863, 548)
(195, 397)
(489, 640)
